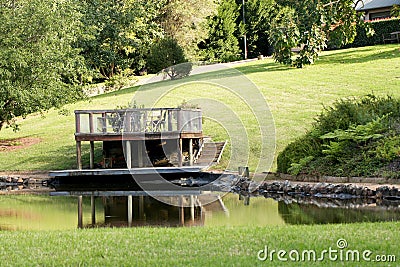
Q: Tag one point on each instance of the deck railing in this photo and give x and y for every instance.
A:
(144, 120)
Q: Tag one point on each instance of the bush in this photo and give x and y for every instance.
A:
(354, 137)
(163, 54)
(380, 27)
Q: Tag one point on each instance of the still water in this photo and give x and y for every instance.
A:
(44, 212)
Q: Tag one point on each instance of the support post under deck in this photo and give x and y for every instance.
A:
(79, 155)
(191, 152)
(91, 154)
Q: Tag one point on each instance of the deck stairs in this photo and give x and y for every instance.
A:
(210, 152)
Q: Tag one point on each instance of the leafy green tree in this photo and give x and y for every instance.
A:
(222, 44)
(258, 16)
(38, 67)
(395, 11)
(186, 22)
(118, 34)
(165, 53)
(317, 22)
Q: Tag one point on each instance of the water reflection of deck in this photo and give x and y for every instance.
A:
(159, 208)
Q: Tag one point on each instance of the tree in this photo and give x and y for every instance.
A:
(222, 44)
(317, 21)
(118, 34)
(186, 22)
(38, 66)
(166, 55)
(258, 16)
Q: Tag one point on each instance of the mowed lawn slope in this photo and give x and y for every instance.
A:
(295, 97)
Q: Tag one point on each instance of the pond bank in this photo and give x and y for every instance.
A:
(271, 176)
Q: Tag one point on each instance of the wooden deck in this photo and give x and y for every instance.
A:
(133, 171)
(137, 124)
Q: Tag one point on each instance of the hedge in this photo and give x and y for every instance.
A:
(380, 27)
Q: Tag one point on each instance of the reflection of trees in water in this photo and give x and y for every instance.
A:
(321, 211)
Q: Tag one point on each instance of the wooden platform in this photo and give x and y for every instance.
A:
(133, 171)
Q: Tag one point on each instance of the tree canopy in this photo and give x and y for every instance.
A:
(38, 66)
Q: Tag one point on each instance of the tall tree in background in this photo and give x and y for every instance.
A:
(258, 16)
(222, 44)
(118, 34)
(37, 63)
(186, 22)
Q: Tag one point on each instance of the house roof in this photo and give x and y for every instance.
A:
(374, 4)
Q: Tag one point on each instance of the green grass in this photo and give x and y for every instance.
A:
(295, 97)
(217, 246)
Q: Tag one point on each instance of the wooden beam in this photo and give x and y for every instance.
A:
(91, 154)
(191, 158)
(128, 154)
(140, 153)
(79, 155)
(179, 151)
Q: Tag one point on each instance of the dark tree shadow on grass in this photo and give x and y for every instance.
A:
(350, 57)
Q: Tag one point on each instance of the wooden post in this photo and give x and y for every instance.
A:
(169, 120)
(80, 214)
(191, 152)
(140, 153)
(141, 207)
(77, 122)
(79, 155)
(91, 154)
(179, 150)
(93, 206)
(104, 122)
(244, 171)
(128, 154)
(130, 213)
(91, 128)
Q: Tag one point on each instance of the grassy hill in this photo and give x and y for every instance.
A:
(294, 96)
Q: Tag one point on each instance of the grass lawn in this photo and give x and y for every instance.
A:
(218, 246)
(294, 96)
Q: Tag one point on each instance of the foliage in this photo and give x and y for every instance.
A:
(38, 67)
(186, 22)
(284, 35)
(178, 71)
(124, 79)
(117, 34)
(311, 24)
(395, 11)
(165, 53)
(353, 137)
(258, 17)
(294, 96)
(222, 44)
(379, 27)
(297, 167)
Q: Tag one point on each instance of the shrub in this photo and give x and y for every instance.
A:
(354, 137)
(380, 27)
(163, 54)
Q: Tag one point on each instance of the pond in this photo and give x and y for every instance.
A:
(44, 212)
